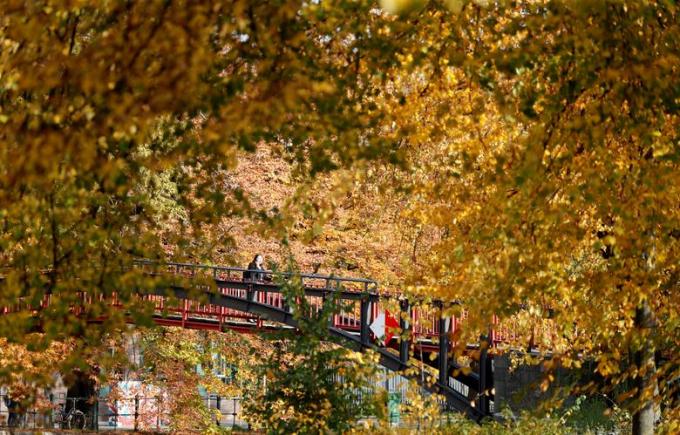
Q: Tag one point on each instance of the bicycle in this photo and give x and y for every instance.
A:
(71, 419)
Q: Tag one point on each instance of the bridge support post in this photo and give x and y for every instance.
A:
(405, 325)
(444, 351)
(365, 310)
(250, 294)
(483, 398)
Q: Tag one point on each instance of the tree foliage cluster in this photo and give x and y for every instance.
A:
(184, 365)
(526, 151)
(560, 198)
(309, 384)
(103, 104)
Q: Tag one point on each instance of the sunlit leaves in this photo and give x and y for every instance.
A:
(122, 120)
(310, 384)
(535, 151)
(560, 202)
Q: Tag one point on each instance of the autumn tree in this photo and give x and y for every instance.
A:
(123, 119)
(554, 124)
(565, 200)
(185, 366)
(310, 383)
(25, 371)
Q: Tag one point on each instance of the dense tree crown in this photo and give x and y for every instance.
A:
(521, 156)
(124, 117)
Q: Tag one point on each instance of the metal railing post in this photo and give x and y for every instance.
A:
(95, 422)
(218, 401)
(363, 320)
(159, 412)
(49, 420)
(136, 423)
(483, 397)
(443, 360)
(250, 294)
(405, 325)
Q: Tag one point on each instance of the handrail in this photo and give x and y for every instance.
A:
(240, 269)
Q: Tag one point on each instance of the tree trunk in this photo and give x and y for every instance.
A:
(643, 418)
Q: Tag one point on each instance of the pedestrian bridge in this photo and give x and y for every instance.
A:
(217, 298)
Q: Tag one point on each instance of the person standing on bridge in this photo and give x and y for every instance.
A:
(255, 270)
(256, 273)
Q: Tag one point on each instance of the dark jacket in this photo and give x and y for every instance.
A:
(253, 273)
